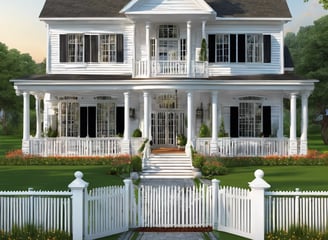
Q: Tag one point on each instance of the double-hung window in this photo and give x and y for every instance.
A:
(75, 47)
(239, 48)
(91, 48)
(108, 48)
(222, 48)
(254, 47)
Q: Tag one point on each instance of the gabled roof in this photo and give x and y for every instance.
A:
(83, 8)
(112, 8)
(250, 8)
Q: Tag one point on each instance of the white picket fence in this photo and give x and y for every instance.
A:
(175, 206)
(105, 211)
(284, 209)
(49, 210)
(235, 211)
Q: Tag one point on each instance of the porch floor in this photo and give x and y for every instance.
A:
(168, 150)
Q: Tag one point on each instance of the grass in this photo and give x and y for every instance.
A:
(53, 177)
(9, 143)
(284, 178)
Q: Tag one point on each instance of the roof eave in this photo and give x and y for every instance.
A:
(45, 19)
(284, 19)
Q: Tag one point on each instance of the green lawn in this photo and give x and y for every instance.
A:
(9, 143)
(280, 177)
(53, 177)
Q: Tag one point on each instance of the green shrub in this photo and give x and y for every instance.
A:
(213, 167)
(204, 131)
(198, 161)
(182, 140)
(137, 133)
(297, 233)
(136, 164)
(30, 231)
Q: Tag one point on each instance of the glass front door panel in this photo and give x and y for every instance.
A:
(166, 126)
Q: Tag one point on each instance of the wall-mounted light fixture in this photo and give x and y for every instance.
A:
(132, 113)
(200, 111)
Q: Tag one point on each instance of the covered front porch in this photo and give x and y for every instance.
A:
(100, 120)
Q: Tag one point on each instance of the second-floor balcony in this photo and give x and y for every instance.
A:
(170, 68)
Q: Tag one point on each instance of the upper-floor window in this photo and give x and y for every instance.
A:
(249, 48)
(75, 47)
(168, 31)
(91, 48)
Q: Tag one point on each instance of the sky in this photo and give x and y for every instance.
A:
(20, 27)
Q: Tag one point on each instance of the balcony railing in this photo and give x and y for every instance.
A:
(170, 68)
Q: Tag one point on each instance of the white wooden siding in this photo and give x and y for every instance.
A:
(124, 68)
(136, 34)
(226, 69)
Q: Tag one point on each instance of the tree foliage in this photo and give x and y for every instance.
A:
(309, 49)
(13, 64)
(323, 2)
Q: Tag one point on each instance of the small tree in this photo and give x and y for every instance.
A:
(203, 51)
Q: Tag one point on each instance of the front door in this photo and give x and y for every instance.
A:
(166, 126)
(88, 122)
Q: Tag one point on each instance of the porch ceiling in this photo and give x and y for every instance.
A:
(89, 84)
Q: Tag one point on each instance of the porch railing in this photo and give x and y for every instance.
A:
(75, 146)
(174, 68)
(234, 147)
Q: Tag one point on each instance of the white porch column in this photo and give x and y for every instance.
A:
(303, 144)
(203, 29)
(292, 131)
(214, 141)
(38, 116)
(26, 123)
(189, 48)
(146, 115)
(126, 136)
(148, 48)
(190, 123)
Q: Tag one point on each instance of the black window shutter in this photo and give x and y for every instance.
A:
(266, 121)
(241, 48)
(119, 48)
(211, 48)
(267, 48)
(94, 48)
(232, 47)
(234, 121)
(63, 48)
(87, 48)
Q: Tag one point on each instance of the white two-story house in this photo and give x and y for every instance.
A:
(165, 67)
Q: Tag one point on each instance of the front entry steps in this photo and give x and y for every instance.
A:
(168, 166)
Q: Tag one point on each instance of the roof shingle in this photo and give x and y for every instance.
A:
(111, 8)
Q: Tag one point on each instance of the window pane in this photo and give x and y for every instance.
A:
(222, 47)
(108, 48)
(254, 47)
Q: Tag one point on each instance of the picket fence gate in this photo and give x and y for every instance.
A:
(106, 211)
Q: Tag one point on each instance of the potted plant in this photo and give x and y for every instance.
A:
(203, 51)
(181, 141)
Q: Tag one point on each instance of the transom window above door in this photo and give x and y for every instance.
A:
(168, 31)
